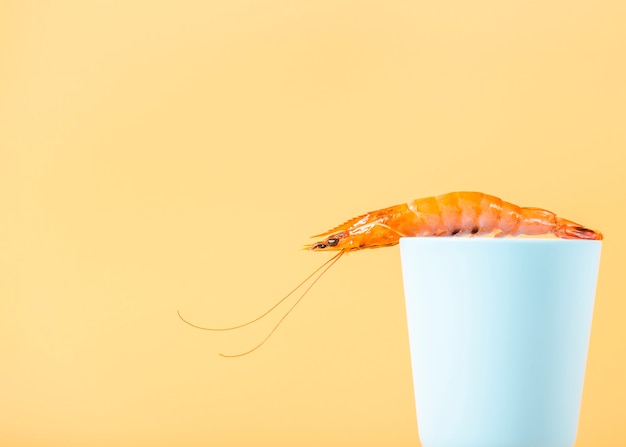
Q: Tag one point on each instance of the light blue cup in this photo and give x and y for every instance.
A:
(498, 330)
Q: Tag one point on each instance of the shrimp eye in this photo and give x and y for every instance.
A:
(320, 245)
(332, 241)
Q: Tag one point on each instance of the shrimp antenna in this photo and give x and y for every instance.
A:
(334, 258)
(330, 263)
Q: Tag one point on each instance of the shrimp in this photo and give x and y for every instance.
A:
(455, 214)
(452, 214)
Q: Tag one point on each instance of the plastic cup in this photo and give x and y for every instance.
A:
(498, 332)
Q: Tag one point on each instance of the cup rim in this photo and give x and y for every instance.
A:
(493, 240)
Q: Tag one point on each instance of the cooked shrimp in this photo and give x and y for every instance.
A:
(453, 214)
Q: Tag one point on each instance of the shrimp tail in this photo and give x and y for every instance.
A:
(566, 229)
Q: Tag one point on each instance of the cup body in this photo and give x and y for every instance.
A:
(498, 331)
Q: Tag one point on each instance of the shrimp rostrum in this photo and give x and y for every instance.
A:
(455, 214)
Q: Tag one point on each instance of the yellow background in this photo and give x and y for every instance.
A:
(176, 155)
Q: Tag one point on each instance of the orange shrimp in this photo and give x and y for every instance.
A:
(453, 214)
